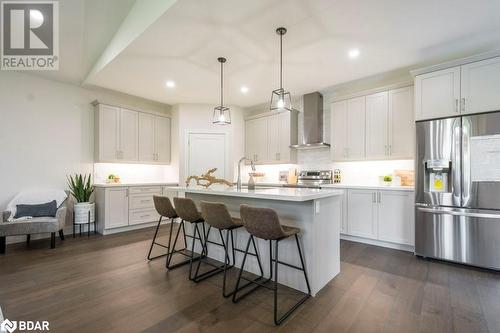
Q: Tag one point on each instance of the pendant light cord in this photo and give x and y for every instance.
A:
(221, 84)
(281, 61)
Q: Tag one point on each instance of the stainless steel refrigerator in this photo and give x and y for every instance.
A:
(457, 209)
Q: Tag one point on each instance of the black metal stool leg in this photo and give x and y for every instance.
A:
(181, 251)
(153, 242)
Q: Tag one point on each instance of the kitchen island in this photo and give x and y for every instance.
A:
(317, 212)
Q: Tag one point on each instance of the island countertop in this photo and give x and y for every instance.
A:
(281, 193)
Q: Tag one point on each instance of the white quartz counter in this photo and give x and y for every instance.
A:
(132, 184)
(281, 193)
(371, 187)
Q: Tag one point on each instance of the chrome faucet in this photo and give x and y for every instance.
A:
(238, 183)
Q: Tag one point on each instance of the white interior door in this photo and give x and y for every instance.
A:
(207, 151)
(146, 137)
(377, 121)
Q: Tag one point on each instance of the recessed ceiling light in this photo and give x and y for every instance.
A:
(170, 84)
(244, 89)
(353, 53)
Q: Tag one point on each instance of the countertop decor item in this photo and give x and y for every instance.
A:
(280, 98)
(113, 179)
(222, 115)
(206, 179)
(81, 188)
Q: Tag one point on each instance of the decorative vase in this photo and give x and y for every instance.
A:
(82, 210)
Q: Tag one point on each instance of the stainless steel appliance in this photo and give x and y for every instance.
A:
(313, 178)
(457, 210)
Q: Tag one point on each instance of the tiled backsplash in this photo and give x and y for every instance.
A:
(359, 172)
(135, 173)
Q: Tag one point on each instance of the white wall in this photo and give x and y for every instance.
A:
(198, 117)
(47, 131)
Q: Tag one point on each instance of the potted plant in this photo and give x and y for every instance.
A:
(81, 188)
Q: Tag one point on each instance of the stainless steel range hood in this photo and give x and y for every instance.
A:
(313, 123)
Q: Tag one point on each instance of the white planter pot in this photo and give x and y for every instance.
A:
(82, 210)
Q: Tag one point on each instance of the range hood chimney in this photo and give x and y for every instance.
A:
(313, 123)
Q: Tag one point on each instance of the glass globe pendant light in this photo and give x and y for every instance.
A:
(222, 115)
(280, 98)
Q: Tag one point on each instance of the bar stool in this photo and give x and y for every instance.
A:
(187, 211)
(164, 207)
(217, 216)
(264, 223)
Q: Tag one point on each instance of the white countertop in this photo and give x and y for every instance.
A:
(372, 187)
(354, 186)
(280, 193)
(132, 184)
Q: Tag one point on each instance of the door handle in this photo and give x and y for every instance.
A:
(379, 197)
(374, 197)
(459, 213)
(457, 105)
(463, 104)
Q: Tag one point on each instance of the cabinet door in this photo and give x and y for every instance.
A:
(109, 120)
(273, 137)
(116, 202)
(437, 94)
(356, 121)
(481, 86)
(284, 130)
(338, 127)
(401, 123)
(146, 137)
(395, 217)
(249, 140)
(362, 216)
(129, 124)
(377, 122)
(162, 139)
(257, 138)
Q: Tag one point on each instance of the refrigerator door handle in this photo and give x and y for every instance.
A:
(488, 215)
(456, 155)
(466, 178)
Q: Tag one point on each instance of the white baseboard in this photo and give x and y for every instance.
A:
(129, 228)
(375, 242)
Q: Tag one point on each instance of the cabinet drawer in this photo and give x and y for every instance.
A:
(145, 190)
(142, 216)
(141, 202)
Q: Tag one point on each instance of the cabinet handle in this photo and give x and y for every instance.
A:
(457, 105)
(374, 197)
(278, 156)
(390, 150)
(463, 104)
(379, 197)
(144, 216)
(386, 150)
(144, 201)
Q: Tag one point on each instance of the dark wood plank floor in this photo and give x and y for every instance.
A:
(104, 284)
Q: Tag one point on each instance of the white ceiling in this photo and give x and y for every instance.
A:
(184, 43)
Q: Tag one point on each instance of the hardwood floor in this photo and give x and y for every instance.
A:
(105, 284)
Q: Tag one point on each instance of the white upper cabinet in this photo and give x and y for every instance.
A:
(470, 88)
(146, 137)
(401, 123)
(356, 118)
(377, 122)
(481, 86)
(338, 120)
(437, 94)
(162, 139)
(128, 136)
(107, 122)
(268, 138)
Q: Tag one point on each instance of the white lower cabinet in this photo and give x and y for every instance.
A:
(382, 215)
(362, 217)
(123, 208)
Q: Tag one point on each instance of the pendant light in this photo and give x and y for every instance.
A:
(222, 115)
(280, 98)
